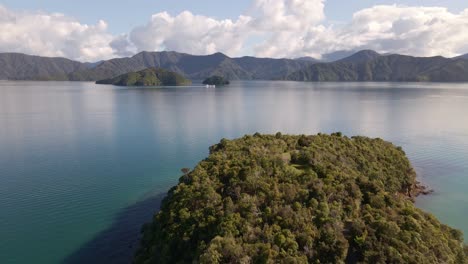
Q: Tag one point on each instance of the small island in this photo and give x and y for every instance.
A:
(148, 77)
(299, 199)
(216, 80)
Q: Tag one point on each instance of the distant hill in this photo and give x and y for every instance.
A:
(371, 66)
(337, 55)
(148, 77)
(25, 67)
(361, 56)
(464, 56)
(307, 58)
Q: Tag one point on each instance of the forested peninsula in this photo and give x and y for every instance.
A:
(299, 199)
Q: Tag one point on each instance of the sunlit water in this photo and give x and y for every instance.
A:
(83, 166)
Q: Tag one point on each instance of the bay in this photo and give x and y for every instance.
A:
(82, 166)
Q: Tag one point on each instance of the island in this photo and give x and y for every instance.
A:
(148, 77)
(299, 199)
(216, 80)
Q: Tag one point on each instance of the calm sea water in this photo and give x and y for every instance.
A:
(83, 166)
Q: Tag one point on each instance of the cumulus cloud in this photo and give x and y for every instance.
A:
(278, 22)
(293, 28)
(419, 31)
(286, 15)
(270, 28)
(422, 31)
(191, 33)
(53, 35)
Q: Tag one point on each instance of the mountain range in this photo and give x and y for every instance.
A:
(364, 65)
(15, 66)
(368, 65)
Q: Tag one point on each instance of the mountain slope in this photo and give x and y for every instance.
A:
(337, 55)
(360, 56)
(17, 66)
(373, 67)
(268, 69)
(464, 56)
(308, 58)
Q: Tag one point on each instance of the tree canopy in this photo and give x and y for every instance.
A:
(298, 199)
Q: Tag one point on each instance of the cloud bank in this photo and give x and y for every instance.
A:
(271, 28)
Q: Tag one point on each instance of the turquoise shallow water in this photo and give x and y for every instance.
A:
(83, 166)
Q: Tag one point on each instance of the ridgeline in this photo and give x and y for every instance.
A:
(299, 199)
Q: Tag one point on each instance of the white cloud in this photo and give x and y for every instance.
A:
(53, 35)
(271, 28)
(286, 15)
(293, 28)
(421, 31)
(191, 33)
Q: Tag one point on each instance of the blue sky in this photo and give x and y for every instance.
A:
(122, 16)
(93, 30)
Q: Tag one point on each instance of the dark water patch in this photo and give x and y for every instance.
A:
(118, 243)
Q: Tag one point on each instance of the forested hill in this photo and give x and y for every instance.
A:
(370, 66)
(298, 199)
(148, 77)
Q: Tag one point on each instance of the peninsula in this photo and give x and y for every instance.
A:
(299, 199)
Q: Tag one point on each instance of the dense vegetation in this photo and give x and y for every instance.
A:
(148, 77)
(298, 199)
(216, 80)
(370, 66)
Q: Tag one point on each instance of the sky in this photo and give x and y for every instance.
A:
(93, 30)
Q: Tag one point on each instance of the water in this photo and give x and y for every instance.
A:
(82, 166)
